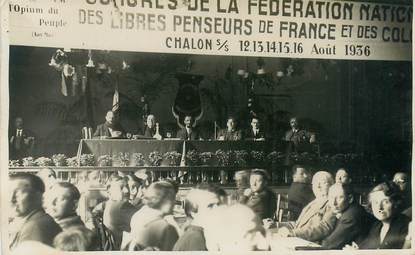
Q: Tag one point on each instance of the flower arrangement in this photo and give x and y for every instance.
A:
(138, 159)
(14, 163)
(257, 157)
(43, 161)
(275, 157)
(59, 159)
(205, 157)
(173, 157)
(192, 158)
(155, 158)
(241, 157)
(224, 157)
(72, 162)
(104, 160)
(122, 159)
(28, 161)
(87, 160)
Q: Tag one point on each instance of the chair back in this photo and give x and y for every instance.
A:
(282, 213)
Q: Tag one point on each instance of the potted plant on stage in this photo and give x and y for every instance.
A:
(241, 157)
(87, 160)
(43, 161)
(104, 160)
(224, 157)
(206, 158)
(225, 160)
(138, 159)
(257, 158)
(155, 158)
(192, 159)
(274, 160)
(59, 159)
(14, 163)
(28, 161)
(72, 162)
(172, 158)
(122, 159)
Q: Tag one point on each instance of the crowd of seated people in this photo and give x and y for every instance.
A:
(131, 212)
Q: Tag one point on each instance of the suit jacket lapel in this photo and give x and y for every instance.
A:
(309, 211)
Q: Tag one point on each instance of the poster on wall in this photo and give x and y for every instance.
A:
(206, 125)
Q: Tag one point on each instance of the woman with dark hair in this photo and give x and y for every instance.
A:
(390, 230)
(149, 228)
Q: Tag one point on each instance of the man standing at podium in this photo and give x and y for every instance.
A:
(188, 133)
(109, 129)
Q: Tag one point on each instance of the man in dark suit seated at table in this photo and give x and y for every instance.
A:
(188, 132)
(255, 133)
(300, 192)
(30, 223)
(110, 129)
(259, 197)
(230, 133)
(21, 141)
(300, 139)
(352, 219)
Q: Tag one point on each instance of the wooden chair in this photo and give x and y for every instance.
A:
(282, 213)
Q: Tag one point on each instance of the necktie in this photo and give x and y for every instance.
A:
(18, 141)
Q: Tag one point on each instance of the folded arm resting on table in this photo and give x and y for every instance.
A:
(314, 231)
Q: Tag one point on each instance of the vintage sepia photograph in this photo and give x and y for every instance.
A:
(131, 151)
(274, 126)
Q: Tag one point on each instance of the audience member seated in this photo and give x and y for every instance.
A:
(30, 220)
(145, 176)
(255, 133)
(342, 176)
(300, 192)
(61, 202)
(82, 181)
(401, 179)
(170, 217)
(48, 176)
(95, 180)
(198, 206)
(149, 229)
(352, 219)
(242, 183)
(188, 132)
(259, 197)
(391, 227)
(230, 133)
(234, 228)
(110, 128)
(316, 221)
(117, 211)
(136, 192)
(21, 141)
(76, 239)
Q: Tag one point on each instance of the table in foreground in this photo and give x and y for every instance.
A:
(292, 244)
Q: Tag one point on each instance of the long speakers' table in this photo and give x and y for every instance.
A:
(113, 147)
